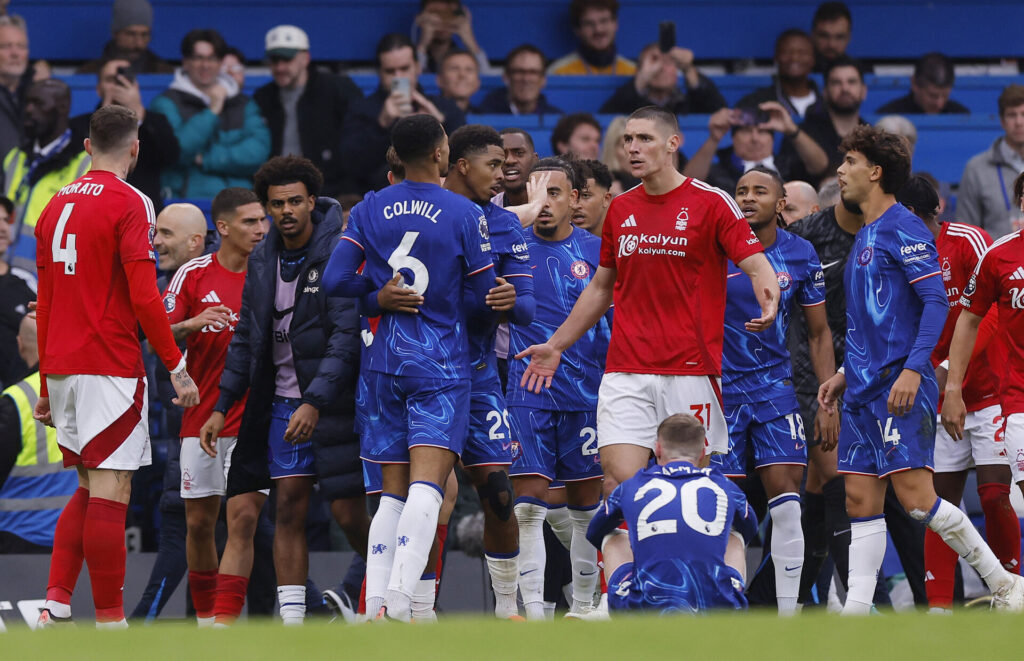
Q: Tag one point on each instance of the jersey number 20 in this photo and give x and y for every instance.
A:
(67, 254)
(687, 495)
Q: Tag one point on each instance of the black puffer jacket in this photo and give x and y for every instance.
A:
(325, 348)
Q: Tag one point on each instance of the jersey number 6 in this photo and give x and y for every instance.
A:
(400, 260)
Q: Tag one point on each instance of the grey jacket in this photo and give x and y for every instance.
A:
(984, 199)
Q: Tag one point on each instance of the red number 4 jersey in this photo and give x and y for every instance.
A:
(200, 284)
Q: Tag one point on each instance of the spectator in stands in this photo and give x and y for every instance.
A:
(222, 136)
(930, 87)
(49, 158)
(459, 78)
(657, 83)
(16, 75)
(520, 155)
(445, 25)
(17, 289)
(595, 197)
(304, 107)
(233, 65)
(578, 133)
(594, 22)
(753, 144)
(367, 132)
(524, 84)
(986, 187)
(159, 146)
(801, 200)
(900, 126)
(845, 91)
(791, 85)
(831, 29)
(131, 24)
(614, 155)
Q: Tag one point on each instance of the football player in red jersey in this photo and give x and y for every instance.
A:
(97, 283)
(202, 302)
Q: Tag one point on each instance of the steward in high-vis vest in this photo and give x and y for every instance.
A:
(35, 489)
(50, 157)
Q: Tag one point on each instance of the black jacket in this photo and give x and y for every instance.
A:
(774, 92)
(158, 149)
(726, 171)
(364, 143)
(906, 105)
(325, 343)
(703, 99)
(321, 113)
(496, 103)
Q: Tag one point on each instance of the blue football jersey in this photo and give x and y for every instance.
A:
(561, 271)
(754, 365)
(676, 512)
(889, 273)
(511, 257)
(436, 240)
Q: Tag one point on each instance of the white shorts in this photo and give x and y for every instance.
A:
(101, 421)
(1013, 439)
(201, 474)
(631, 406)
(981, 446)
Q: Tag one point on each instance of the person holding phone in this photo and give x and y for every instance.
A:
(443, 26)
(116, 86)
(666, 76)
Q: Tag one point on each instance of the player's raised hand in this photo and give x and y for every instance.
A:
(544, 360)
(41, 412)
(903, 393)
(218, 316)
(826, 429)
(830, 391)
(503, 297)
(209, 432)
(185, 388)
(536, 197)
(396, 297)
(769, 308)
(301, 424)
(954, 413)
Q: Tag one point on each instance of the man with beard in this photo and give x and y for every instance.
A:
(792, 85)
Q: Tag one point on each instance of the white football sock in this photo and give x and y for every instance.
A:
(120, 624)
(415, 534)
(423, 599)
(959, 533)
(292, 599)
(787, 549)
(503, 571)
(57, 609)
(380, 554)
(205, 622)
(583, 557)
(867, 549)
(530, 513)
(561, 524)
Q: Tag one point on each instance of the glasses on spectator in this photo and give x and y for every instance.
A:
(526, 72)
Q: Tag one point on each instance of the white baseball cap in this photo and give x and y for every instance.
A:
(286, 41)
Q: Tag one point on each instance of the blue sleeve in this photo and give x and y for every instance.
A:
(609, 517)
(933, 318)
(744, 519)
(478, 267)
(912, 246)
(341, 276)
(515, 268)
(812, 289)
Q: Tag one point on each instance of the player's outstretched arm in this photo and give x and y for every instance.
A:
(965, 334)
(823, 360)
(766, 288)
(608, 517)
(341, 277)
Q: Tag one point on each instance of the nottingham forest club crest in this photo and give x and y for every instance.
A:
(580, 270)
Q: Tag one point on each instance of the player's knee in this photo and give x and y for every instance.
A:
(350, 516)
(242, 522)
(497, 492)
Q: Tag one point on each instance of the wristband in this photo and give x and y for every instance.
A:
(180, 368)
(945, 364)
(841, 370)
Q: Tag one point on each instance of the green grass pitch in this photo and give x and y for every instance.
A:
(751, 637)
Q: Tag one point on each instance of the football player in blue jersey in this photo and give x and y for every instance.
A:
(761, 409)
(896, 307)
(414, 398)
(680, 520)
(556, 429)
(475, 172)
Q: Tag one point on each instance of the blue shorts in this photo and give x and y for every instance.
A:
(558, 445)
(684, 589)
(396, 413)
(489, 442)
(373, 480)
(287, 459)
(773, 430)
(874, 442)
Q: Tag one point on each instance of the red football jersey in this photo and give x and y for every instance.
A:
(999, 280)
(199, 284)
(85, 234)
(671, 252)
(960, 249)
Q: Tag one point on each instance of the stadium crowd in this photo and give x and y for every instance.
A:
(306, 323)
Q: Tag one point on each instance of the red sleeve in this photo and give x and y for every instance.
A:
(135, 230)
(733, 231)
(608, 239)
(150, 312)
(986, 331)
(982, 288)
(43, 296)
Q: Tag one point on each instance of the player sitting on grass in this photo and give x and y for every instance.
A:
(680, 519)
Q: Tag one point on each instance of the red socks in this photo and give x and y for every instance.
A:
(940, 570)
(203, 586)
(230, 597)
(67, 556)
(442, 537)
(1002, 527)
(104, 551)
